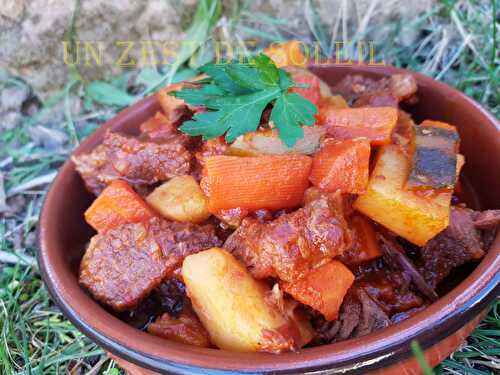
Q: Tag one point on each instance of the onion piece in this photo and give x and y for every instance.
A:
(267, 142)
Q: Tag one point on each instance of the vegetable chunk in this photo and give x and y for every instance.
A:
(271, 182)
(365, 245)
(118, 204)
(267, 142)
(342, 165)
(232, 307)
(313, 85)
(180, 199)
(323, 288)
(434, 157)
(414, 216)
(374, 123)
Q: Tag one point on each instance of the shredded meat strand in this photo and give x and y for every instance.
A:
(396, 253)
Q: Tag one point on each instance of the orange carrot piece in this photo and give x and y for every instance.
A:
(342, 165)
(374, 123)
(302, 76)
(272, 181)
(323, 288)
(118, 204)
(365, 244)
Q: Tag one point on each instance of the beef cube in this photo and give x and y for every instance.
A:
(140, 162)
(289, 246)
(123, 265)
(186, 329)
(456, 245)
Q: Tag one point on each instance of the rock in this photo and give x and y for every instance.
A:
(10, 120)
(56, 114)
(51, 139)
(32, 34)
(12, 9)
(12, 98)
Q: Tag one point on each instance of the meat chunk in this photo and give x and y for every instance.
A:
(487, 220)
(168, 297)
(186, 328)
(178, 240)
(95, 169)
(391, 289)
(211, 147)
(372, 317)
(160, 129)
(140, 162)
(123, 265)
(395, 254)
(388, 91)
(289, 246)
(171, 296)
(456, 245)
(403, 133)
(359, 316)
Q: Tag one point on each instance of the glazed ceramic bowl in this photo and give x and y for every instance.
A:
(439, 329)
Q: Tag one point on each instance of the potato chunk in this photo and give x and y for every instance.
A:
(414, 216)
(180, 199)
(232, 307)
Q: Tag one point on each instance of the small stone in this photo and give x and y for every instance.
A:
(12, 9)
(48, 138)
(10, 120)
(12, 98)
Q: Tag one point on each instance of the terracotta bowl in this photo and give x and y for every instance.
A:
(439, 329)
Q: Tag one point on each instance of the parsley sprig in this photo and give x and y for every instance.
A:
(236, 95)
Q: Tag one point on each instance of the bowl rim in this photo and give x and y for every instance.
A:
(389, 345)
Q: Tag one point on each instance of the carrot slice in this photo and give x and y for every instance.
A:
(272, 182)
(312, 91)
(342, 165)
(323, 288)
(374, 123)
(365, 245)
(118, 204)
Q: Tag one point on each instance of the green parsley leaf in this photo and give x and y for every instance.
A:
(286, 81)
(290, 112)
(199, 96)
(244, 110)
(237, 94)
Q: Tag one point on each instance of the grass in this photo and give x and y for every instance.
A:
(454, 41)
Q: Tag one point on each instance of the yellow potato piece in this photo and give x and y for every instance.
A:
(231, 304)
(180, 199)
(414, 216)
